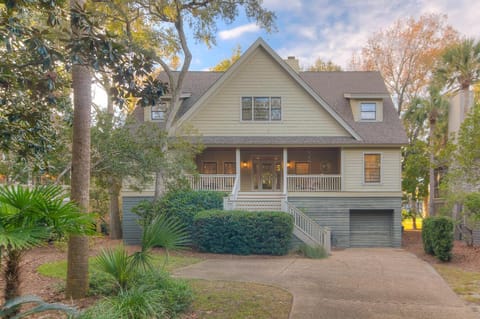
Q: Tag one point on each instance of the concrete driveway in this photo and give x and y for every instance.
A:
(353, 283)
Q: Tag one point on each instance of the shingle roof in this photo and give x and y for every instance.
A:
(331, 87)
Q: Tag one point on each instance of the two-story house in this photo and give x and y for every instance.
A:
(323, 146)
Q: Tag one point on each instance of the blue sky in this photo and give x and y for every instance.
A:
(331, 30)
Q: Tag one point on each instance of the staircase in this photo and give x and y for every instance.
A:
(305, 228)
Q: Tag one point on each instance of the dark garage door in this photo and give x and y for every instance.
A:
(371, 228)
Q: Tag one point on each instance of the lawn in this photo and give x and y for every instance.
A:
(407, 223)
(213, 299)
(466, 284)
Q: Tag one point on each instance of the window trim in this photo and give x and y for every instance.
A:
(269, 120)
(381, 168)
(374, 112)
(160, 109)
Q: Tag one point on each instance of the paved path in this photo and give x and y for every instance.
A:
(353, 283)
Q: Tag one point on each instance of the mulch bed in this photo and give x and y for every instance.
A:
(464, 257)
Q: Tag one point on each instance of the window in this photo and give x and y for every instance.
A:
(229, 168)
(210, 168)
(158, 112)
(302, 168)
(368, 111)
(372, 165)
(261, 108)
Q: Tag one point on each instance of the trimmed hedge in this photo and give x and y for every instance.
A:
(181, 204)
(437, 236)
(243, 233)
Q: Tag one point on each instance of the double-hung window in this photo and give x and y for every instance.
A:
(368, 111)
(372, 168)
(261, 108)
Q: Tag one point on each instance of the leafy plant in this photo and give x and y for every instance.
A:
(28, 217)
(117, 263)
(314, 252)
(10, 307)
(183, 204)
(241, 232)
(437, 235)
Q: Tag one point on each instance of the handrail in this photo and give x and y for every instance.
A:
(236, 187)
(318, 234)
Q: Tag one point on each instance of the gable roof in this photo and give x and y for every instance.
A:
(329, 89)
(260, 43)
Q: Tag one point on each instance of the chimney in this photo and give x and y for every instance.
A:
(293, 63)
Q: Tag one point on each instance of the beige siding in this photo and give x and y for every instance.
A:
(262, 76)
(390, 170)
(355, 105)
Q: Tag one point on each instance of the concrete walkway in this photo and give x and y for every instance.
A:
(354, 283)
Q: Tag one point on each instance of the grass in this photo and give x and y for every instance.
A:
(465, 283)
(58, 269)
(407, 223)
(239, 300)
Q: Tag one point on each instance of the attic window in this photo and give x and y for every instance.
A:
(158, 112)
(261, 109)
(368, 111)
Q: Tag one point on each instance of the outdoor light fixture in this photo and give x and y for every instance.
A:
(244, 164)
(289, 164)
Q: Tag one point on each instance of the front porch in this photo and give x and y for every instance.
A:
(262, 171)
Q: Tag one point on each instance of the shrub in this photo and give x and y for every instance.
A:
(314, 252)
(241, 232)
(177, 295)
(437, 235)
(183, 204)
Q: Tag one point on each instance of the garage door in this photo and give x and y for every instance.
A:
(371, 228)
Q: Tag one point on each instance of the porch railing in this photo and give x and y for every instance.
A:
(314, 183)
(307, 229)
(212, 182)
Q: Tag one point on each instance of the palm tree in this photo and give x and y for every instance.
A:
(77, 270)
(460, 67)
(28, 217)
(431, 111)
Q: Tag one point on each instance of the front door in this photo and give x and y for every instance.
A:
(267, 175)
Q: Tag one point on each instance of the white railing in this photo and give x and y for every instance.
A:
(236, 187)
(308, 227)
(212, 182)
(314, 183)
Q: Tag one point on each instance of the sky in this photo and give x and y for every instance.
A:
(330, 30)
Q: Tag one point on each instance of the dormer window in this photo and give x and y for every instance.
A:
(158, 112)
(368, 111)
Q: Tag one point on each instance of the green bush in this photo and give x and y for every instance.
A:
(313, 252)
(242, 233)
(437, 235)
(156, 293)
(183, 204)
(177, 295)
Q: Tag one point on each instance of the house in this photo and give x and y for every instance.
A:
(323, 146)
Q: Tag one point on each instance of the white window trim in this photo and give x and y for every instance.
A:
(269, 109)
(360, 111)
(363, 169)
(159, 108)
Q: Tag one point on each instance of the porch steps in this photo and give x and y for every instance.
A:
(259, 201)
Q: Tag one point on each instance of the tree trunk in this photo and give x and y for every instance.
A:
(77, 271)
(160, 186)
(114, 187)
(431, 172)
(12, 276)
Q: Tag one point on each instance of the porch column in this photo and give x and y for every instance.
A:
(285, 170)
(237, 163)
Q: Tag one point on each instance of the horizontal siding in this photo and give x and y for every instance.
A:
(391, 180)
(262, 76)
(334, 212)
(132, 232)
